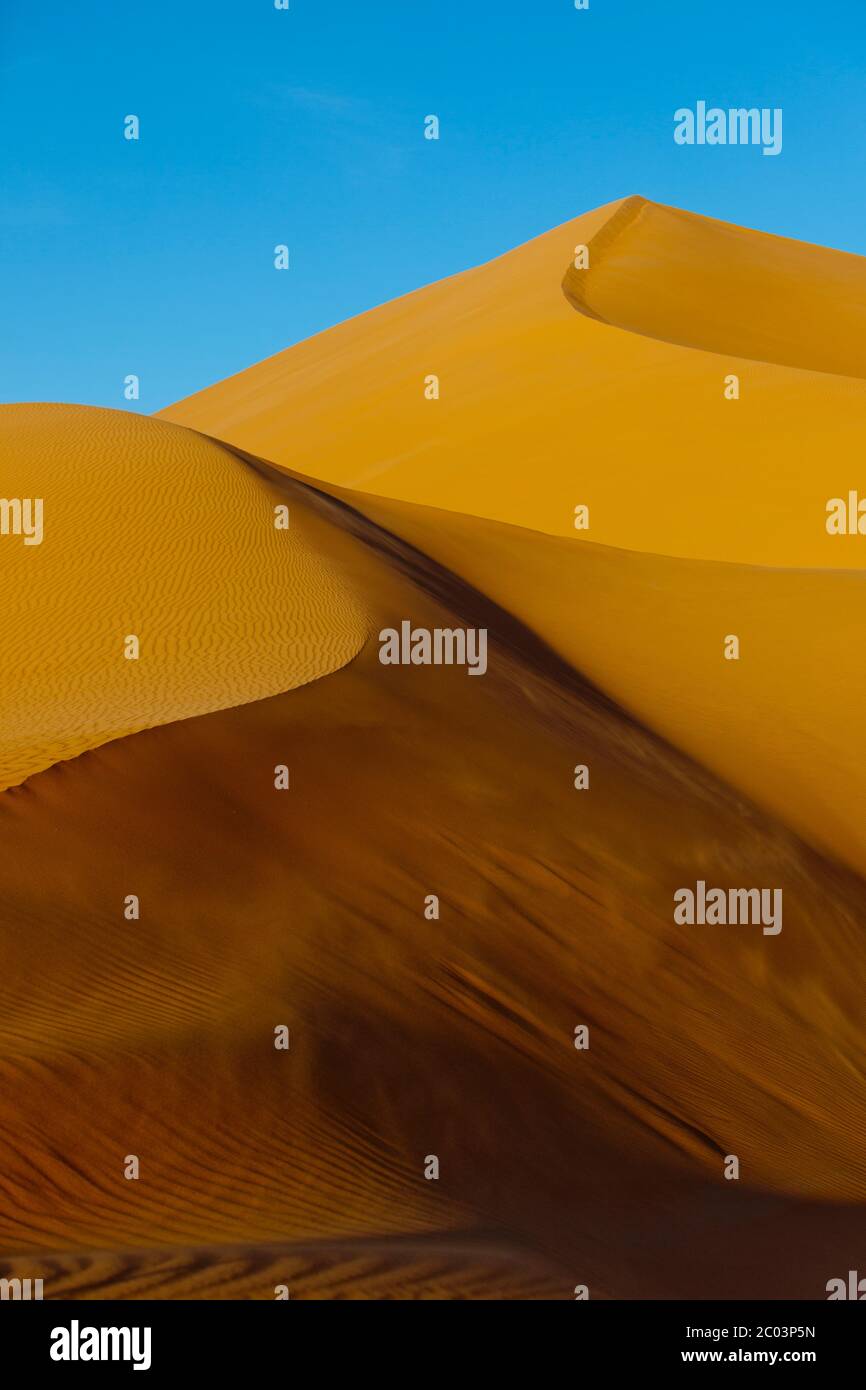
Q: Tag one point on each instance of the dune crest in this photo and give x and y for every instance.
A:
(152, 532)
(692, 280)
(783, 724)
(542, 408)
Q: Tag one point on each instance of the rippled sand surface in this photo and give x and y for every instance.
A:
(154, 532)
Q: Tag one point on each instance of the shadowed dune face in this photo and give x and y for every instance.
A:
(412, 1037)
(158, 533)
(784, 723)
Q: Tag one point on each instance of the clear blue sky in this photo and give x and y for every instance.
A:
(306, 127)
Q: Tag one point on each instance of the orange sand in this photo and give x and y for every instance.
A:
(605, 387)
(152, 531)
(543, 408)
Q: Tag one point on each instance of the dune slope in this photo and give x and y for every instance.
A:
(605, 387)
(152, 532)
(411, 1036)
(783, 723)
(706, 284)
(543, 408)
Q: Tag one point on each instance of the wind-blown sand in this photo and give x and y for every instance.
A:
(454, 1037)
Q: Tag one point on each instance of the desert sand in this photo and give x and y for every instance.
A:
(544, 406)
(153, 532)
(453, 1037)
(606, 388)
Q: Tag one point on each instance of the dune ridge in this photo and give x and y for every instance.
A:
(783, 725)
(644, 276)
(542, 408)
(159, 533)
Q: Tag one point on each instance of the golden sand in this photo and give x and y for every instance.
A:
(153, 532)
(606, 387)
(543, 408)
(783, 723)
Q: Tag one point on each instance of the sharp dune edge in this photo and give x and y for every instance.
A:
(453, 1037)
(687, 279)
(152, 531)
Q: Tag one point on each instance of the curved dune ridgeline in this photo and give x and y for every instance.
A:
(542, 408)
(687, 279)
(784, 724)
(153, 532)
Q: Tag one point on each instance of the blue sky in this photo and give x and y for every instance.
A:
(305, 127)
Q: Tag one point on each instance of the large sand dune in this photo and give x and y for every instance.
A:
(543, 407)
(605, 387)
(260, 907)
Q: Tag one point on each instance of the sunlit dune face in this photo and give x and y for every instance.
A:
(640, 380)
(147, 532)
(667, 274)
(606, 387)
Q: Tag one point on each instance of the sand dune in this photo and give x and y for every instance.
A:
(412, 1037)
(543, 408)
(155, 532)
(452, 1036)
(605, 387)
(706, 284)
(783, 724)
